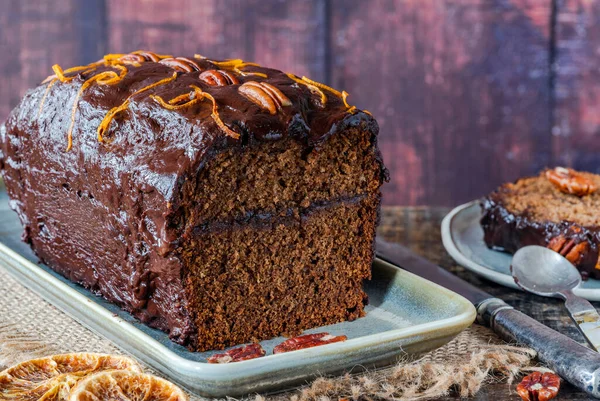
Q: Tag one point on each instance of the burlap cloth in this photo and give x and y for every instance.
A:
(30, 327)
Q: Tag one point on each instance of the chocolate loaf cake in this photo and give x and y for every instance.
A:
(557, 209)
(219, 201)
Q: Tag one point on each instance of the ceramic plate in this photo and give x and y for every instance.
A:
(407, 315)
(463, 239)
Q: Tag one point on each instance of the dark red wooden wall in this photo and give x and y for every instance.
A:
(468, 93)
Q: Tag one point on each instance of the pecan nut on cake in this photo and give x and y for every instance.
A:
(219, 201)
(557, 209)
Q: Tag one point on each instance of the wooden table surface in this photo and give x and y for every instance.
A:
(419, 229)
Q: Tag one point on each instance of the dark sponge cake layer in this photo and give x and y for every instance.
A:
(274, 276)
(534, 211)
(129, 172)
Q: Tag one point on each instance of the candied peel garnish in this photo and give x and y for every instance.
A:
(319, 88)
(311, 87)
(105, 124)
(125, 385)
(53, 377)
(103, 78)
(235, 65)
(50, 85)
(192, 98)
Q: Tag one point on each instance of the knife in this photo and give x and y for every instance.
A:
(574, 362)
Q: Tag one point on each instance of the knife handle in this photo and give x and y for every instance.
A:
(575, 363)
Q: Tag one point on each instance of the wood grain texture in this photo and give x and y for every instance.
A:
(35, 35)
(284, 35)
(463, 89)
(460, 89)
(576, 126)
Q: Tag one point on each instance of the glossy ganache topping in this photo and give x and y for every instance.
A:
(223, 93)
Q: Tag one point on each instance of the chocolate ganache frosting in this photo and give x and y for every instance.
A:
(123, 134)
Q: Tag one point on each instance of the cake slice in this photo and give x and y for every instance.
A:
(219, 201)
(560, 209)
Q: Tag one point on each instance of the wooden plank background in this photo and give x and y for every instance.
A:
(468, 93)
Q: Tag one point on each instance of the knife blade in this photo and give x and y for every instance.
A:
(574, 362)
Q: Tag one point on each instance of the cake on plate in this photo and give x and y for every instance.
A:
(557, 209)
(219, 201)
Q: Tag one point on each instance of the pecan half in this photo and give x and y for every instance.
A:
(307, 341)
(539, 387)
(181, 64)
(568, 248)
(265, 95)
(242, 353)
(218, 78)
(132, 58)
(570, 181)
(149, 56)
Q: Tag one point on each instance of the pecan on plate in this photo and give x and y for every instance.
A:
(539, 387)
(265, 95)
(570, 181)
(242, 353)
(572, 251)
(219, 78)
(307, 341)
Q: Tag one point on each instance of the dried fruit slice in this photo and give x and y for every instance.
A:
(242, 353)
(125, 386)
(307, 341)
(52, 378)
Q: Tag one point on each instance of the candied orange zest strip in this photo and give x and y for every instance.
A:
(84, 68)
(236, 65)
(323, 86)
(217, 118)
(113, 56)
(344, 97)
(228, 63)
(199, 95)
(192, 101)
(50, 85)
(258, 74)
(103, 127)
(180, 98)
(103, 78)
(49, 78)
(311, 87)
(106, 121)
(60, 74)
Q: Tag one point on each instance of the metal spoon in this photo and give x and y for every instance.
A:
(544, 272)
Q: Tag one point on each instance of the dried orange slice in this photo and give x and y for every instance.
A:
(125, 385)
(51, 378)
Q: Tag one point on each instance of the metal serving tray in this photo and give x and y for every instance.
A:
(407, 316)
